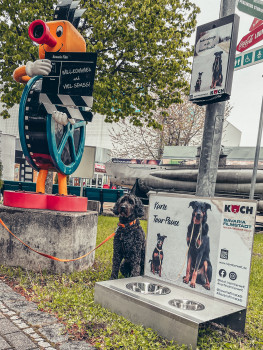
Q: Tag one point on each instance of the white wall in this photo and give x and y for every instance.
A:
(231, 135)
(7, 155)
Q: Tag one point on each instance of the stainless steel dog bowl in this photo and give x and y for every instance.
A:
(186, 304)
(148, 288)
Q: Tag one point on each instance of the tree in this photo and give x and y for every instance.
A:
(1, 169)
(182, 125)
(142, 48)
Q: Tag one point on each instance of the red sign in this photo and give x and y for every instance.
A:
(256, 23)
(250, 39)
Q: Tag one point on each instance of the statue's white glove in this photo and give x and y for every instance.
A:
(39, 67)
(62, 118)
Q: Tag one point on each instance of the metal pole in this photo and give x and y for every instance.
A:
(81, 186)
(212, 134)
(255, 169)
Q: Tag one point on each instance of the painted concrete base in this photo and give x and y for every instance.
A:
(65, 235)
(154, 311)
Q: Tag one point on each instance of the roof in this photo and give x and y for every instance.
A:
(190, 152)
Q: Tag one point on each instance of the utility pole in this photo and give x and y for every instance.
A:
(213, 130)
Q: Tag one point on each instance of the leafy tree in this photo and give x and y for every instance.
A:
(1, 169)
(182, 125)
(142, 48)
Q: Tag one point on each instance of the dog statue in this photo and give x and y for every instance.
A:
(217, 76)
(129, 239)
(157, 256)
(198, 82)
(199, 268)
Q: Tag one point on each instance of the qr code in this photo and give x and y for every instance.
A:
(224, 254)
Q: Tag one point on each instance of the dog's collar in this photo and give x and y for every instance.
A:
(128, 224)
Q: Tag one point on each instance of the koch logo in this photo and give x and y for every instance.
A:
(238, 209)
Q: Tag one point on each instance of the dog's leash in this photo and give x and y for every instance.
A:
(53, 257)
(179, 274)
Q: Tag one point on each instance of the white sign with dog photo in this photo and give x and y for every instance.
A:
(213, 61)
(201, 243)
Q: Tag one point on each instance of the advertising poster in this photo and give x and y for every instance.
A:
(213, 62)
(201, 243)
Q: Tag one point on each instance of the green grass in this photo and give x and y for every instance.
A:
(70, 297)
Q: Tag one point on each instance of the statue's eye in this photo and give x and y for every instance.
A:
(59, 31)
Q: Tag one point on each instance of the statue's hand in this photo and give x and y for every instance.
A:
(62, 118)
(39, 67)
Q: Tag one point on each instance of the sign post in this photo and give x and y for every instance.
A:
(212, 135)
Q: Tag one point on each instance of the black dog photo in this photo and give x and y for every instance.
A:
(157, 256)
(129, 240)
(199, 268)
(217, 75)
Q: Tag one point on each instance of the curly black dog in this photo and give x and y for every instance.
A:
(157, 256)
(198, 82)
(129, 240)
(199, 268)
(217, 76)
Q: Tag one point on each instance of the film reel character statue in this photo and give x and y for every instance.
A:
(52, 134)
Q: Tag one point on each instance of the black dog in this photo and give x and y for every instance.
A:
(217, 76)
(129, 240)
(199, 268)
(157, 257)
(198, 82)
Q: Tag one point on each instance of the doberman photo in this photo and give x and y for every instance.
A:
(198, 82)
(199, 268)
(217, 76)
(129, 239)
(157, 256)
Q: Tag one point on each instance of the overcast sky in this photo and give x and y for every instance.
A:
(247, 88)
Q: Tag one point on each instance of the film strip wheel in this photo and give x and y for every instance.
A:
(45, 143)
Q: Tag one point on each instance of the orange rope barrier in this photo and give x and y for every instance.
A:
(53, 257)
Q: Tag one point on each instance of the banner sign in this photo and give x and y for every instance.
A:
(205, 244)
(72, 74)
(250, 39)
(213, 63)
(256, 23)
(251, 7)
(249, 58)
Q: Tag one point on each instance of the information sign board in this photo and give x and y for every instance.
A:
(213, 62)
(249, 58)
(251, 39)
(215, 233)
(251, 7)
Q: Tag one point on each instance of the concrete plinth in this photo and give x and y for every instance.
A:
(65, 235)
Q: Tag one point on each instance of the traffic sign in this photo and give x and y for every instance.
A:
(249, 58)
(256, 23)
(251, 7)
(250, 39)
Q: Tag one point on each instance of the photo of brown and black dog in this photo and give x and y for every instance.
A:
(199, 268)
(217, 75)
(157, 256)
(129, 239)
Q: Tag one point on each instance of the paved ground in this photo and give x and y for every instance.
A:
(23, 327)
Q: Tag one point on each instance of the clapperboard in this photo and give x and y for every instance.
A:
(68, 87)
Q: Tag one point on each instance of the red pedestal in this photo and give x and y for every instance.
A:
(67, 203)
(29, 200)
(32, 200)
